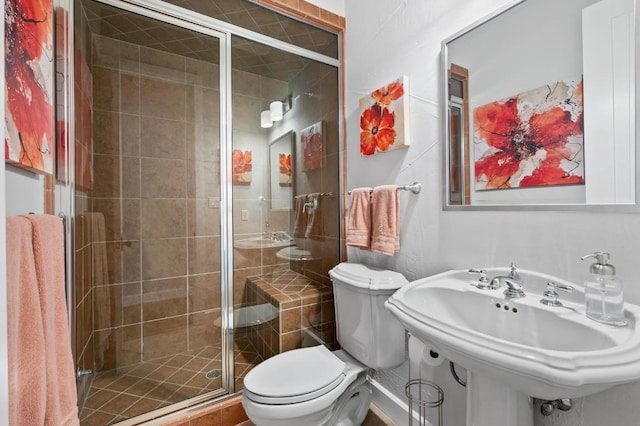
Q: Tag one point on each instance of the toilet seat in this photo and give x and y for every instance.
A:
(295, 376)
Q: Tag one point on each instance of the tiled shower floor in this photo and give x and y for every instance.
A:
(117, 395)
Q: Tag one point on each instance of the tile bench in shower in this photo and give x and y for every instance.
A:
(306, 313)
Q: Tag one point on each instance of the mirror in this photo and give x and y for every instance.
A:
(540, 107)
(281, 172)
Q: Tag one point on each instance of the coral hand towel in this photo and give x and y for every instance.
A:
(48, 250)
(300, 226)
(385, 233)
(27, 386)
(359, 221)
(315, 220)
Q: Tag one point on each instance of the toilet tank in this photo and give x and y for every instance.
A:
(366, 330)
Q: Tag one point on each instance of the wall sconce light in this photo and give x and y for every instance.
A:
(276, 112)
(265, 119)
(275, 108)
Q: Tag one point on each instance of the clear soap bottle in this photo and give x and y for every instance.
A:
(603, 292)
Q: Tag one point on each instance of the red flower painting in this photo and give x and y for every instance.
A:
(284, 176)
(241, 167)
(383, 124)
(531, 139)
(312, 147)
(29, 137)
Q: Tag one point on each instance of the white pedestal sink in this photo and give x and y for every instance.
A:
(515, 349)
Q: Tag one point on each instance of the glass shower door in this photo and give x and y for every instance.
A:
(147, 201)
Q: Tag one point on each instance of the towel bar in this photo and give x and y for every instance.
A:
(414, 187)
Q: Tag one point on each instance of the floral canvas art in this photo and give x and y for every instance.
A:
(312, 147)
(534, 138)
(241, 167)
(384, 121)
(29, 126)
(284, 174)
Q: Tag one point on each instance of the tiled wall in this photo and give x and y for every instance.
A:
(306, 312)
(156, 163)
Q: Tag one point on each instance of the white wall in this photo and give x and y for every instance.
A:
(335, 6)
(389, 38)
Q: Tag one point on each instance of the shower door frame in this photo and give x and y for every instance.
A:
(223, 31)
(226, 225)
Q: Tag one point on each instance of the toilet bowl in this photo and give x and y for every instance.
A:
(308, 386)
(314, 386)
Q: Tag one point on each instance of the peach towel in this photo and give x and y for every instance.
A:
(27, 386)
(48, 249)
(300, 226)
(359, 220)
(385, 232)
(315, 220)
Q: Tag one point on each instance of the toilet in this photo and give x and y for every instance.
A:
(315, 386)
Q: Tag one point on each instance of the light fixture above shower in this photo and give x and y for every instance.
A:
(277, 110)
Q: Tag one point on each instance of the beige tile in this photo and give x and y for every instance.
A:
(204, 292)
(203, 219)
(105, 52)
(233, 414)
(200, 73)
(163, 218)
(157, 63)
(163, 138)
(163, 178)
(165, 337)
(290, 320)
(203, 142)
(210, 419)
(129, 261)
(106, 89)
(204, 255)
(202, 330)
(164, 298)
(130, 177)
(130, 134)
(106, 170)
(130, 219)
(203, 179)
(203, 106)
(106, 132)
(129, 57)
(130, 94)
(162, 99)
(171, 252)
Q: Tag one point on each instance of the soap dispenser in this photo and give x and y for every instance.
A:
(603, 292)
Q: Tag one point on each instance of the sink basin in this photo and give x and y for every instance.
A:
(530, 348)
(268, 240)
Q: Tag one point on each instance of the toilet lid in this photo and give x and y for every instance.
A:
(297, 375)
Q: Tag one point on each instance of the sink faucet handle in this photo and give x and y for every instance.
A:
(551, 297)
(483, 281)
(513, 274)
(557, 286)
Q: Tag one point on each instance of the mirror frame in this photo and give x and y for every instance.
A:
(287, 136)
(444, 93)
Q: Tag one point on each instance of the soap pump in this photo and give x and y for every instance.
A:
(603, 292)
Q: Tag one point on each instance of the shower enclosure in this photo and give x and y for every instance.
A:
(192, 262)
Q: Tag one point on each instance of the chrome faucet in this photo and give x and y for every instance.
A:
(513, 282)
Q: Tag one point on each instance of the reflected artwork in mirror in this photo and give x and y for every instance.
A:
(281, 172)
(540, 107)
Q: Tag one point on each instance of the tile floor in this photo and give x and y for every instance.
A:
(117, 395)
